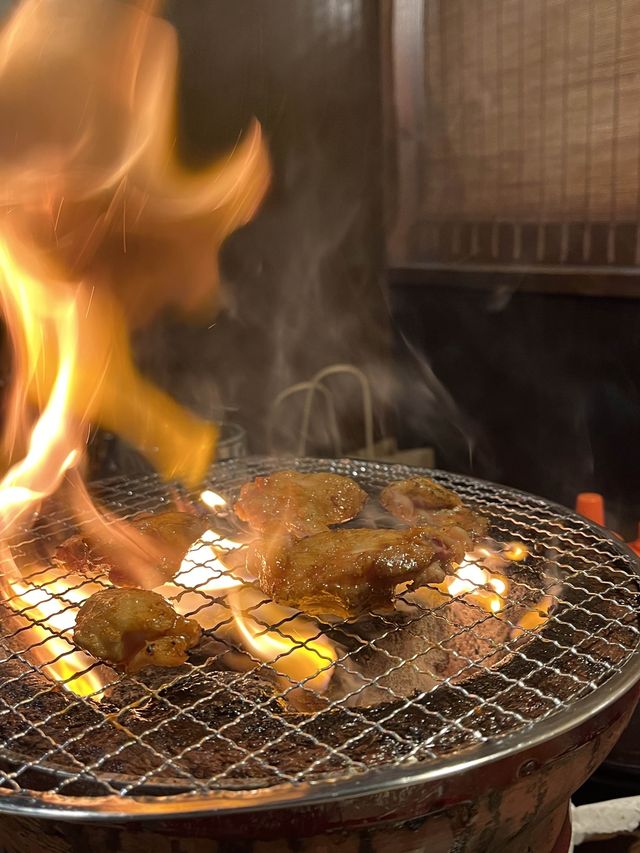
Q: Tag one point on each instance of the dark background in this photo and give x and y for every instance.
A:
(547, 385)
(303, 284)
(527, 378)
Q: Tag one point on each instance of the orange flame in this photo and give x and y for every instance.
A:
(481, 576)
(46, 613)
(101, 229)
(489, 591)
(36, 321)
(481, 579)
(535, 617)
(295, 649)
(293, 646)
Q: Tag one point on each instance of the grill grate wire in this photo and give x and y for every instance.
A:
(70, 745)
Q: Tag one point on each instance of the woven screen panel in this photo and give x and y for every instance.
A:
(527, 112)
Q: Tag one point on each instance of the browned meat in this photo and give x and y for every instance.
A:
(145, 552)
(351, 571)
(299, 504)
(420, 500)
(76, 555)
(134, 629)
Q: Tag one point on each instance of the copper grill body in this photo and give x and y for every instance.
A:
(485, 760)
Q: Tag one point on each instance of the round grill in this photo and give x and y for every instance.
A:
(211, 735)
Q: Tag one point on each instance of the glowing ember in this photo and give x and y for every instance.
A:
(47, 613)
(471, 580)
(212, 499)
(98, 221)
(536, 617)
(480, 577)
(515, 552)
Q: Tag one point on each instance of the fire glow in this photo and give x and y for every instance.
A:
(481, 578)
(291, 645)
(213, 587)
(98, 221)
(207, 587)
(473, 581)
(46, 612)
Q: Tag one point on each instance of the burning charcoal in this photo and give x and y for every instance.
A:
(188, 685)
(440, 671)
(235, 713)
(391, 657)
(202, 723)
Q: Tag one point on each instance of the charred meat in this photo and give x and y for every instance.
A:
(146, 551)
(421, 500)
(351, 571)
(299, 504)
(134, 629)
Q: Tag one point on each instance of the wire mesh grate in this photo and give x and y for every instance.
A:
(436, 678)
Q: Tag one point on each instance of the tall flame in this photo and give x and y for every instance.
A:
(101, 228)
(36, 322)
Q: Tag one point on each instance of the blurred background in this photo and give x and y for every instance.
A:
(455, 212)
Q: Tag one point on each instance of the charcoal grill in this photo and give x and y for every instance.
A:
(482, 754)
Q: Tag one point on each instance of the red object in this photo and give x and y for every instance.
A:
(591, 505)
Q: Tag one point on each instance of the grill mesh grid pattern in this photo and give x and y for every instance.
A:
(198, 729)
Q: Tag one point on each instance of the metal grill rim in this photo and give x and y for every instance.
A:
(569, 532)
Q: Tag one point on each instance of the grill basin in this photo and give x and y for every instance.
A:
(519, 722)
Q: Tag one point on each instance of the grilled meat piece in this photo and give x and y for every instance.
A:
(134, 629)
(77, 556)
(145, 552)
(299, 504)
(420, 500)
(351, 571)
